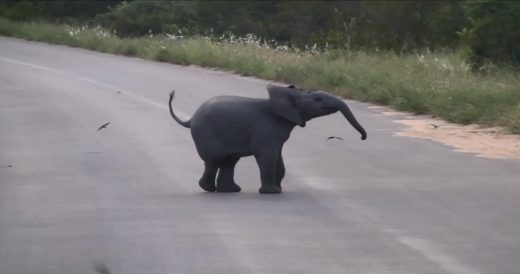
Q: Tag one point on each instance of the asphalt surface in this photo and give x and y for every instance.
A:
(125, 199)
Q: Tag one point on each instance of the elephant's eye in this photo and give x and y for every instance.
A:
(317, 99)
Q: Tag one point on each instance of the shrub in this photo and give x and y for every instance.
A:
(141, 17)
(494, 33)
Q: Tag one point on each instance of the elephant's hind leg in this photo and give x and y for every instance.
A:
(225, 182)
(207, 182)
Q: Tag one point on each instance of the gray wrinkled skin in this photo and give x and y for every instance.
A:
(226, 128)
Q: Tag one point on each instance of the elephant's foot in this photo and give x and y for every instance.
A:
(207, 186)
(228, 187)
(270, 189)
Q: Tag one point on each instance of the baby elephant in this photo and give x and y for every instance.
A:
(226, 128)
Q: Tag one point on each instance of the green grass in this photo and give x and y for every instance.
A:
(439, 83)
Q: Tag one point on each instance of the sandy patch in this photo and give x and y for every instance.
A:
(488, 142)
(395, 113)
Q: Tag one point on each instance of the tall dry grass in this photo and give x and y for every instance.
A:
(438, 83)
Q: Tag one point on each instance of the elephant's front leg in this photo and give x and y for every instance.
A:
(225, 181)
(280, 171)
(268, 162)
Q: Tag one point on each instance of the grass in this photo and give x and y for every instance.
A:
(440, 83)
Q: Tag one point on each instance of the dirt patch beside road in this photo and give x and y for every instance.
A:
(490, 142)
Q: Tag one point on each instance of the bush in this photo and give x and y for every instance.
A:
(494, 34)
(141, 17)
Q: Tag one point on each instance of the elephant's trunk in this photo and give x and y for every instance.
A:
(350, 117)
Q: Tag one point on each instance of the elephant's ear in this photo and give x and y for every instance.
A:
(285, 102)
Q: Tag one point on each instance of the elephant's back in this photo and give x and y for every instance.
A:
(228, 108)
(231, 102)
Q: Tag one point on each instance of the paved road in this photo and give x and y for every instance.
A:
(126, 197)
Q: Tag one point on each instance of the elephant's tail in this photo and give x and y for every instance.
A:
(185, 124)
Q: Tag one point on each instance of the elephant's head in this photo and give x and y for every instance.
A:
(300, 106)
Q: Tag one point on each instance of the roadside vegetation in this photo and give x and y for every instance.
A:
(450, 82)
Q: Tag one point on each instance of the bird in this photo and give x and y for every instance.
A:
(103, 126)
(291, 86)
(435, 126)
(335, 137)
(6, 166)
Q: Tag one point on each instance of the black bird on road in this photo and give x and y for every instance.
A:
(335, 137)
(103, 126)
